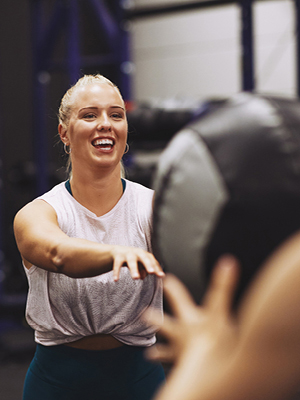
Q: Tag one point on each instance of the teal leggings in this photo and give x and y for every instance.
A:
(66, 373)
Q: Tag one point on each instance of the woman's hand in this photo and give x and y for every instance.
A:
(139, 262)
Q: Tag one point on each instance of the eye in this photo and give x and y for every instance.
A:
(89, 116)
(117, 116)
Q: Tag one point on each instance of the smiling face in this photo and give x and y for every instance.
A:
(97, 128)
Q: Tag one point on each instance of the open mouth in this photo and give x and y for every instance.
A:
(103, 144)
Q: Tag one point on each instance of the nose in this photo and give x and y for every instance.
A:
(104, 123)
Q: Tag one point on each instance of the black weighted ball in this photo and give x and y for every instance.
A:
(228, 183)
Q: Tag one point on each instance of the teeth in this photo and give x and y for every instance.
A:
(99, 142)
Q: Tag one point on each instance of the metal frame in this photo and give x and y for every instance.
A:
(140, 12)
(297, 29)
(248, 73)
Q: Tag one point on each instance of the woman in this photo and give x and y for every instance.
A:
(85, 246)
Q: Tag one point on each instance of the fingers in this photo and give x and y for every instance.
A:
(166, 325)
(223, 284)
(179, 298)
(167, 328)
(132, 265)
(139, 262)
(118, 262)
(150, 264)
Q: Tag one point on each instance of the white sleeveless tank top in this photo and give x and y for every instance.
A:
(62, 309)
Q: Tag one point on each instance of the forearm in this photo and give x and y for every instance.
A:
(186, 379)
(79, 258)
(205, 372)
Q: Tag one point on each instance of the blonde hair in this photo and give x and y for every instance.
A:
(66, 103)
(65, 109)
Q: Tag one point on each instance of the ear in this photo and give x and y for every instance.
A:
(63, 134)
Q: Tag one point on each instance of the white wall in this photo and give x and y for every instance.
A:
(197, 54)
(275, 51)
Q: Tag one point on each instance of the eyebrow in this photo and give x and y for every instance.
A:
(96, 108)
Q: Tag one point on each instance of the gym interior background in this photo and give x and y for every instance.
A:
(171, 59)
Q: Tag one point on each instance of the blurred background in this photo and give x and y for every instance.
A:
(172, 60)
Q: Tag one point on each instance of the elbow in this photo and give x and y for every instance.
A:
(65, 260)
(57, 259)
(60, 260)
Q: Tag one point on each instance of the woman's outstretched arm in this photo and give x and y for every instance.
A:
(42, 243)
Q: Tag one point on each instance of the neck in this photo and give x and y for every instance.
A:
(99, 193)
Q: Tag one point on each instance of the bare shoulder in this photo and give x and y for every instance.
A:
(37, 233)
(35, 222)
(35, 211)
